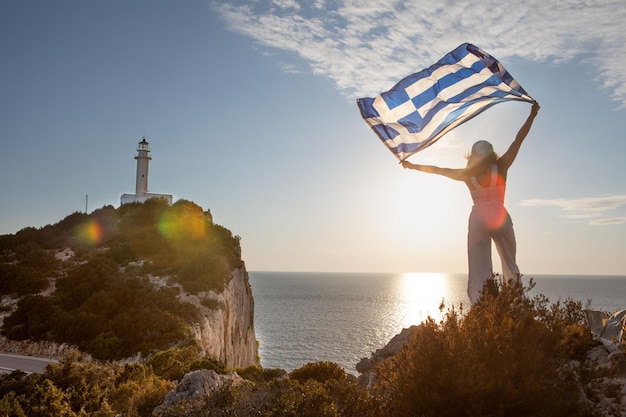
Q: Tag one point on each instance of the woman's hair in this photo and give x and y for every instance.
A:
(482, 154)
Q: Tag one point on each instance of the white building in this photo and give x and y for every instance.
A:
(141, 182)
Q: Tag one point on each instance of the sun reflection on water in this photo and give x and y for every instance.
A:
(421, 295)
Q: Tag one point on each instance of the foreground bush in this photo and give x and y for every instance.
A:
(319, 371)
(273, 394)
(503, 358)
(77, 388)
(174, 363)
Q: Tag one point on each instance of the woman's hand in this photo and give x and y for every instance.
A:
(535, 109)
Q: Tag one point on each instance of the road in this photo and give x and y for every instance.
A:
(27, 364)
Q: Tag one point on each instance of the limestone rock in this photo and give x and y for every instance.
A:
(366, 365)
(226, 332)
(198, 383)
(606, 389)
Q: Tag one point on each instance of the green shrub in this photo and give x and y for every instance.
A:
(315, 389)
(308, 399)
(501, 359)
(10, 406)
(33, 255)
(85, 384)
(21, 280)
(76, 387)
(258, 374)
(208, 363)
(140, 395)
(31, 320)
(30, 273)
(204, 273)
(173, 363)
(319, 371)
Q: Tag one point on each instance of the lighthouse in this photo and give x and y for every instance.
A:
(141, 181)
(143, 160)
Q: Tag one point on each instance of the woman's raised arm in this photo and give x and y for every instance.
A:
(509, 156)
(455, 174)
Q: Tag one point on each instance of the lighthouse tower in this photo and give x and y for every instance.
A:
(143, 159)
(141, 181)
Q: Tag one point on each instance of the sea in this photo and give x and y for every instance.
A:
(303, 317)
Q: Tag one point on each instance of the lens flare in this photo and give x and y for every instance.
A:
(89, 233)
(493, 215)
(497, 218)
(178, 226)
(488, 203)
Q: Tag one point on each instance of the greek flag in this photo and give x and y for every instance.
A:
(424, 106)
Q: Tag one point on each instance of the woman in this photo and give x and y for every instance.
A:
(485, 176)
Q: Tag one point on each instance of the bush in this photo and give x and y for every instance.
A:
(208, 363)
(501, 359)
(308, 399)
(29, 275)
(173, 363)
(137, 391)
(319, 371)
(77, 387)
(85, 384)
(204, 273)
(258, 374)
(21, 280)
(31, 320)
(33, 255)
(271, 393)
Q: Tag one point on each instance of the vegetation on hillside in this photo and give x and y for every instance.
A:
(507, 356)
(103, 300)
(75, 387)
(26, 269)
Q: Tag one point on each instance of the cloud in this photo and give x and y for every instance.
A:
(610, 221)
(289, 68)
(365, 46)
(588, 208)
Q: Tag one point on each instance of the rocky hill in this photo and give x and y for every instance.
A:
(123, 284)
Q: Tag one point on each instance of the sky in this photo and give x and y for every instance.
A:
(250, 111)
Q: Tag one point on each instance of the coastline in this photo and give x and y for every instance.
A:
(303, 317)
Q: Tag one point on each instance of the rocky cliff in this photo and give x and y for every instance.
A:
(226, 330)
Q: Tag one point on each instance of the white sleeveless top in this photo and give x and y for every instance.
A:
(493, 192)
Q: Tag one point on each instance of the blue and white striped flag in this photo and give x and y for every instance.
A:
(424, 106)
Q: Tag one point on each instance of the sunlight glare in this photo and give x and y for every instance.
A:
(421, 295)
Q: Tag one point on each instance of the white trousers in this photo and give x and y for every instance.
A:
(489, 220)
